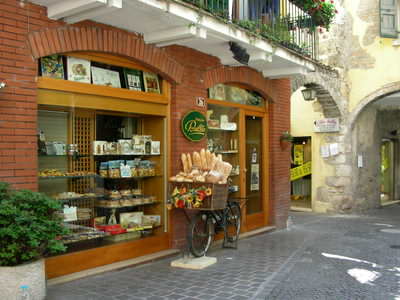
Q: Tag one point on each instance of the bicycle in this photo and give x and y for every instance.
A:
(205, 224)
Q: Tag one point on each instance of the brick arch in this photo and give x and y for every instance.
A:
(242, 75)
(93, 38)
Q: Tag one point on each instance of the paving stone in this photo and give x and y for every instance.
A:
(279, 265)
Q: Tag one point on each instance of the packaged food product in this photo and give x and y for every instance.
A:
(103, 170)
(114, 169)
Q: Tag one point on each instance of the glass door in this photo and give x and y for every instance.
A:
(254, 161)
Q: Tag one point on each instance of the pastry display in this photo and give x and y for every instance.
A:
(203, 167)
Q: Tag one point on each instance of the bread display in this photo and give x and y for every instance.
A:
(205, 167)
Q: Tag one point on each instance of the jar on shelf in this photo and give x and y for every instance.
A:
(103, 170)
(152, 168)
(114, 169)
(143, 168)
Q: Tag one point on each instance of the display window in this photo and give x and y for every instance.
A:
(104, 168)
(102, 152)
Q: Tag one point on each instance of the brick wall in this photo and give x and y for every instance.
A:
(204, 71)
(18, 158)
(26, 34)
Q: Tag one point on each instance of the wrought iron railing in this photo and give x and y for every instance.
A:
(277, 20)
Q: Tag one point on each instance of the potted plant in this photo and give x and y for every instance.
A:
(29, 230)
(286, 139)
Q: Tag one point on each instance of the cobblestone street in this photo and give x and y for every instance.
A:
(320, 257)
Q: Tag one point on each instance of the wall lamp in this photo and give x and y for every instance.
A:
(2, 84)
(309, 93)
(239, 53)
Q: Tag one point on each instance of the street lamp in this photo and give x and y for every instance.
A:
(2, 84)
(309, 93)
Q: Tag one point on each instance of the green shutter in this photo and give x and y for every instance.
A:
(388, 13)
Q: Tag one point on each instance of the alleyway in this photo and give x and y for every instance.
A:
(320, 257)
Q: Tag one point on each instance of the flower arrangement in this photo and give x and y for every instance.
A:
(190, 197)
(322, 11)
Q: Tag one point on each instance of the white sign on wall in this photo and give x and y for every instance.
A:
(327, 125)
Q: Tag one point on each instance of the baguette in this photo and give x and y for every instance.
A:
(209, 159)
(196, 160)
(203, 158)
(184, 163)
(190, 164)
(213, 161)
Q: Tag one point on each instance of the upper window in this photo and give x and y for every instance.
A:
(235, 94)
(388, 15)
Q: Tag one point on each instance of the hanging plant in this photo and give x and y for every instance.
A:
(321, 11)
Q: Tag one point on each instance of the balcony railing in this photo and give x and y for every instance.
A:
(277, 20)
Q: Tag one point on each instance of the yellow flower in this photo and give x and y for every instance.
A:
(208, 191)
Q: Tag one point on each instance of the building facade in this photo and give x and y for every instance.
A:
(72, 101)
(362, 49)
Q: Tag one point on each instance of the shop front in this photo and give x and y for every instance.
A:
(103, 153)
(91, 115)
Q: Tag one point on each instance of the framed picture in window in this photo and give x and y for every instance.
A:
(106, 77)
(236, 94)
(134, 79)
(217, 92)
(151, 84)
(78, 69)
(52, 66)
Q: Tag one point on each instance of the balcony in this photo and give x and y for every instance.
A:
(281, 21)
(280, 38)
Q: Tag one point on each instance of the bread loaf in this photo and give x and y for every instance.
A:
(196, 160)
(213, 161)
(189, 159)
(184, 163)
(203, 158)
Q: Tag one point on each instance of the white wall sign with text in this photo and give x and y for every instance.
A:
(327, 125)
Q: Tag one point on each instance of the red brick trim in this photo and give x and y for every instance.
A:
(89, 38)
(242, 75)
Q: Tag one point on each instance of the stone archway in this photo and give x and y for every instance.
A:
(333, 194)
(367, 125)
(327, 85)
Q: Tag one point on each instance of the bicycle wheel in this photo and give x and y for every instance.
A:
(200, 234)
(232, 222)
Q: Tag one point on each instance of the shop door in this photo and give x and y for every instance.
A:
(387, 171)
(255, 171)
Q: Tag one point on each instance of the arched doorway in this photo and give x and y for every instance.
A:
(375, 138)
(314, 179)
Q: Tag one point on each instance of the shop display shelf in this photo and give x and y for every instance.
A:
(132, 178)
(64, 155)
(129, 206)
(220, 129)
(118, 155)
(227, 152)
(80, 198)
(69, 177)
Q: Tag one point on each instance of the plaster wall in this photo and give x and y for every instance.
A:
(353, 46)
(303, 115)
(367, 68)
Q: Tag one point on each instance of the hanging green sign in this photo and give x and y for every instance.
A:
(194, 126)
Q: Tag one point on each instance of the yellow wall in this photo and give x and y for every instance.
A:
(386, 56)
(302, 124)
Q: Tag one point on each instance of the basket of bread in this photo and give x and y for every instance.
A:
(202, 184)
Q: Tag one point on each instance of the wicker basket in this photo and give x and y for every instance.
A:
(217, 200)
